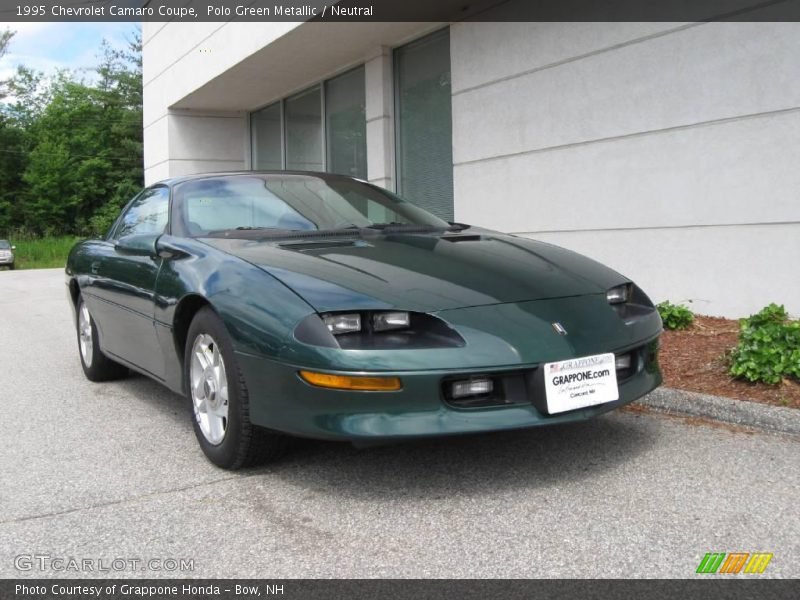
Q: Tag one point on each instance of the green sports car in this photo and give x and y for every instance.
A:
(321, 306)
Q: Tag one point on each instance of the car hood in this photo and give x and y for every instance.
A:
(422, 272)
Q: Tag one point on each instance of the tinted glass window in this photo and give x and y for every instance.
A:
(148, 214)
(424, 123)
(304, 131)
(346, 124)
(266, 132)
(4, 245)
(291, 202)
(321, 128)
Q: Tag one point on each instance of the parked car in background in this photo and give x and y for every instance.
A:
(322, 306)
(7, 254)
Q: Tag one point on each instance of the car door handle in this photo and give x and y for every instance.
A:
(95, 267)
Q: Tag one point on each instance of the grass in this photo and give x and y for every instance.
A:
(42, 253)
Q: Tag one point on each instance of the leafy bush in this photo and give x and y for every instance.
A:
(675, 316)
(768, 348)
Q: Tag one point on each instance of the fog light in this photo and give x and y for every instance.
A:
(352, 382)
(471, 387)
(346, 323)
(390, 320)
(623, 361)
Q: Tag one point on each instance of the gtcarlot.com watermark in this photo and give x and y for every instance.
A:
(72, 564)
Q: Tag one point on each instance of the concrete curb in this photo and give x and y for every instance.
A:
(773, 419)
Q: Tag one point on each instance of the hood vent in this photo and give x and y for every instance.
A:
(300, 246)
(462, 238)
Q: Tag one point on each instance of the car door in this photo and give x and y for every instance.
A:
(123, 283)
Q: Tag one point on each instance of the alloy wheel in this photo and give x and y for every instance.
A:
(85, 341)
(209, 388)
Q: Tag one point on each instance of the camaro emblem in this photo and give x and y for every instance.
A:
(559, 328)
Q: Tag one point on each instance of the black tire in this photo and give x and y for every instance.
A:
(243, 444)
(11, 266)
(100, 367)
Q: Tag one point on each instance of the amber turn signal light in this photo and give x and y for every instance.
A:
(352, 382)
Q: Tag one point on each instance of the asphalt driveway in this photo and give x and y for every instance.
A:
(109, 471)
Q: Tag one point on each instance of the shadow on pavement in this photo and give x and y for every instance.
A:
(469, 465)
(473, 465)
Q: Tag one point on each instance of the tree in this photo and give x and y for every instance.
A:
(11, 151)
(5, 39)
(31, 92)
(77, 146)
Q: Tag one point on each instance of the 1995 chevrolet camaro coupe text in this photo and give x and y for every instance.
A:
(322, 306)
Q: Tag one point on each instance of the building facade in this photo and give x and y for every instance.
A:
(668, 151)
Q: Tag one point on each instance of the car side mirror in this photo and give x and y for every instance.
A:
(13, 247)
(143, 244)
(168, 249)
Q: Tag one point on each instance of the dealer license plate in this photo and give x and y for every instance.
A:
(580, 382)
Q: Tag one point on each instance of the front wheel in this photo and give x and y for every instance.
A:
(220, 401)
(96, 365)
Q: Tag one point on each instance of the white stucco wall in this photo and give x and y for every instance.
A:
(179, 58)
(667, 150)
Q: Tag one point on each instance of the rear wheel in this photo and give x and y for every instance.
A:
(220, 401)
(96, 365)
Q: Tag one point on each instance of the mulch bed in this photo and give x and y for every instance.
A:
(695, 359)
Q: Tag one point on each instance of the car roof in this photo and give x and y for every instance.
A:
(171, 181)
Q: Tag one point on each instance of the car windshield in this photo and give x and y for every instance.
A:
(4, 245)
(293, 203)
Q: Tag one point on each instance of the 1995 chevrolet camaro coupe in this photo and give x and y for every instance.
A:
(322, 306)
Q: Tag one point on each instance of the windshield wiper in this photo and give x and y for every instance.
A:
(390, 224)
(394, 225)
(351, 229)
(244, 230)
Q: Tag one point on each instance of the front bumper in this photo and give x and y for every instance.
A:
(6, 260)
(281, 401)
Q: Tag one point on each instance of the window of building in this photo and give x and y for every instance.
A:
(346, 124)
(423, 128)
(320, 129)
(266, 137)
(304, 131)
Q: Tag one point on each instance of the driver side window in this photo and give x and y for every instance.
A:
(149, 213)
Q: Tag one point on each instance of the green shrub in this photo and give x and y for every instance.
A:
(768, 348)
(675, 316)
